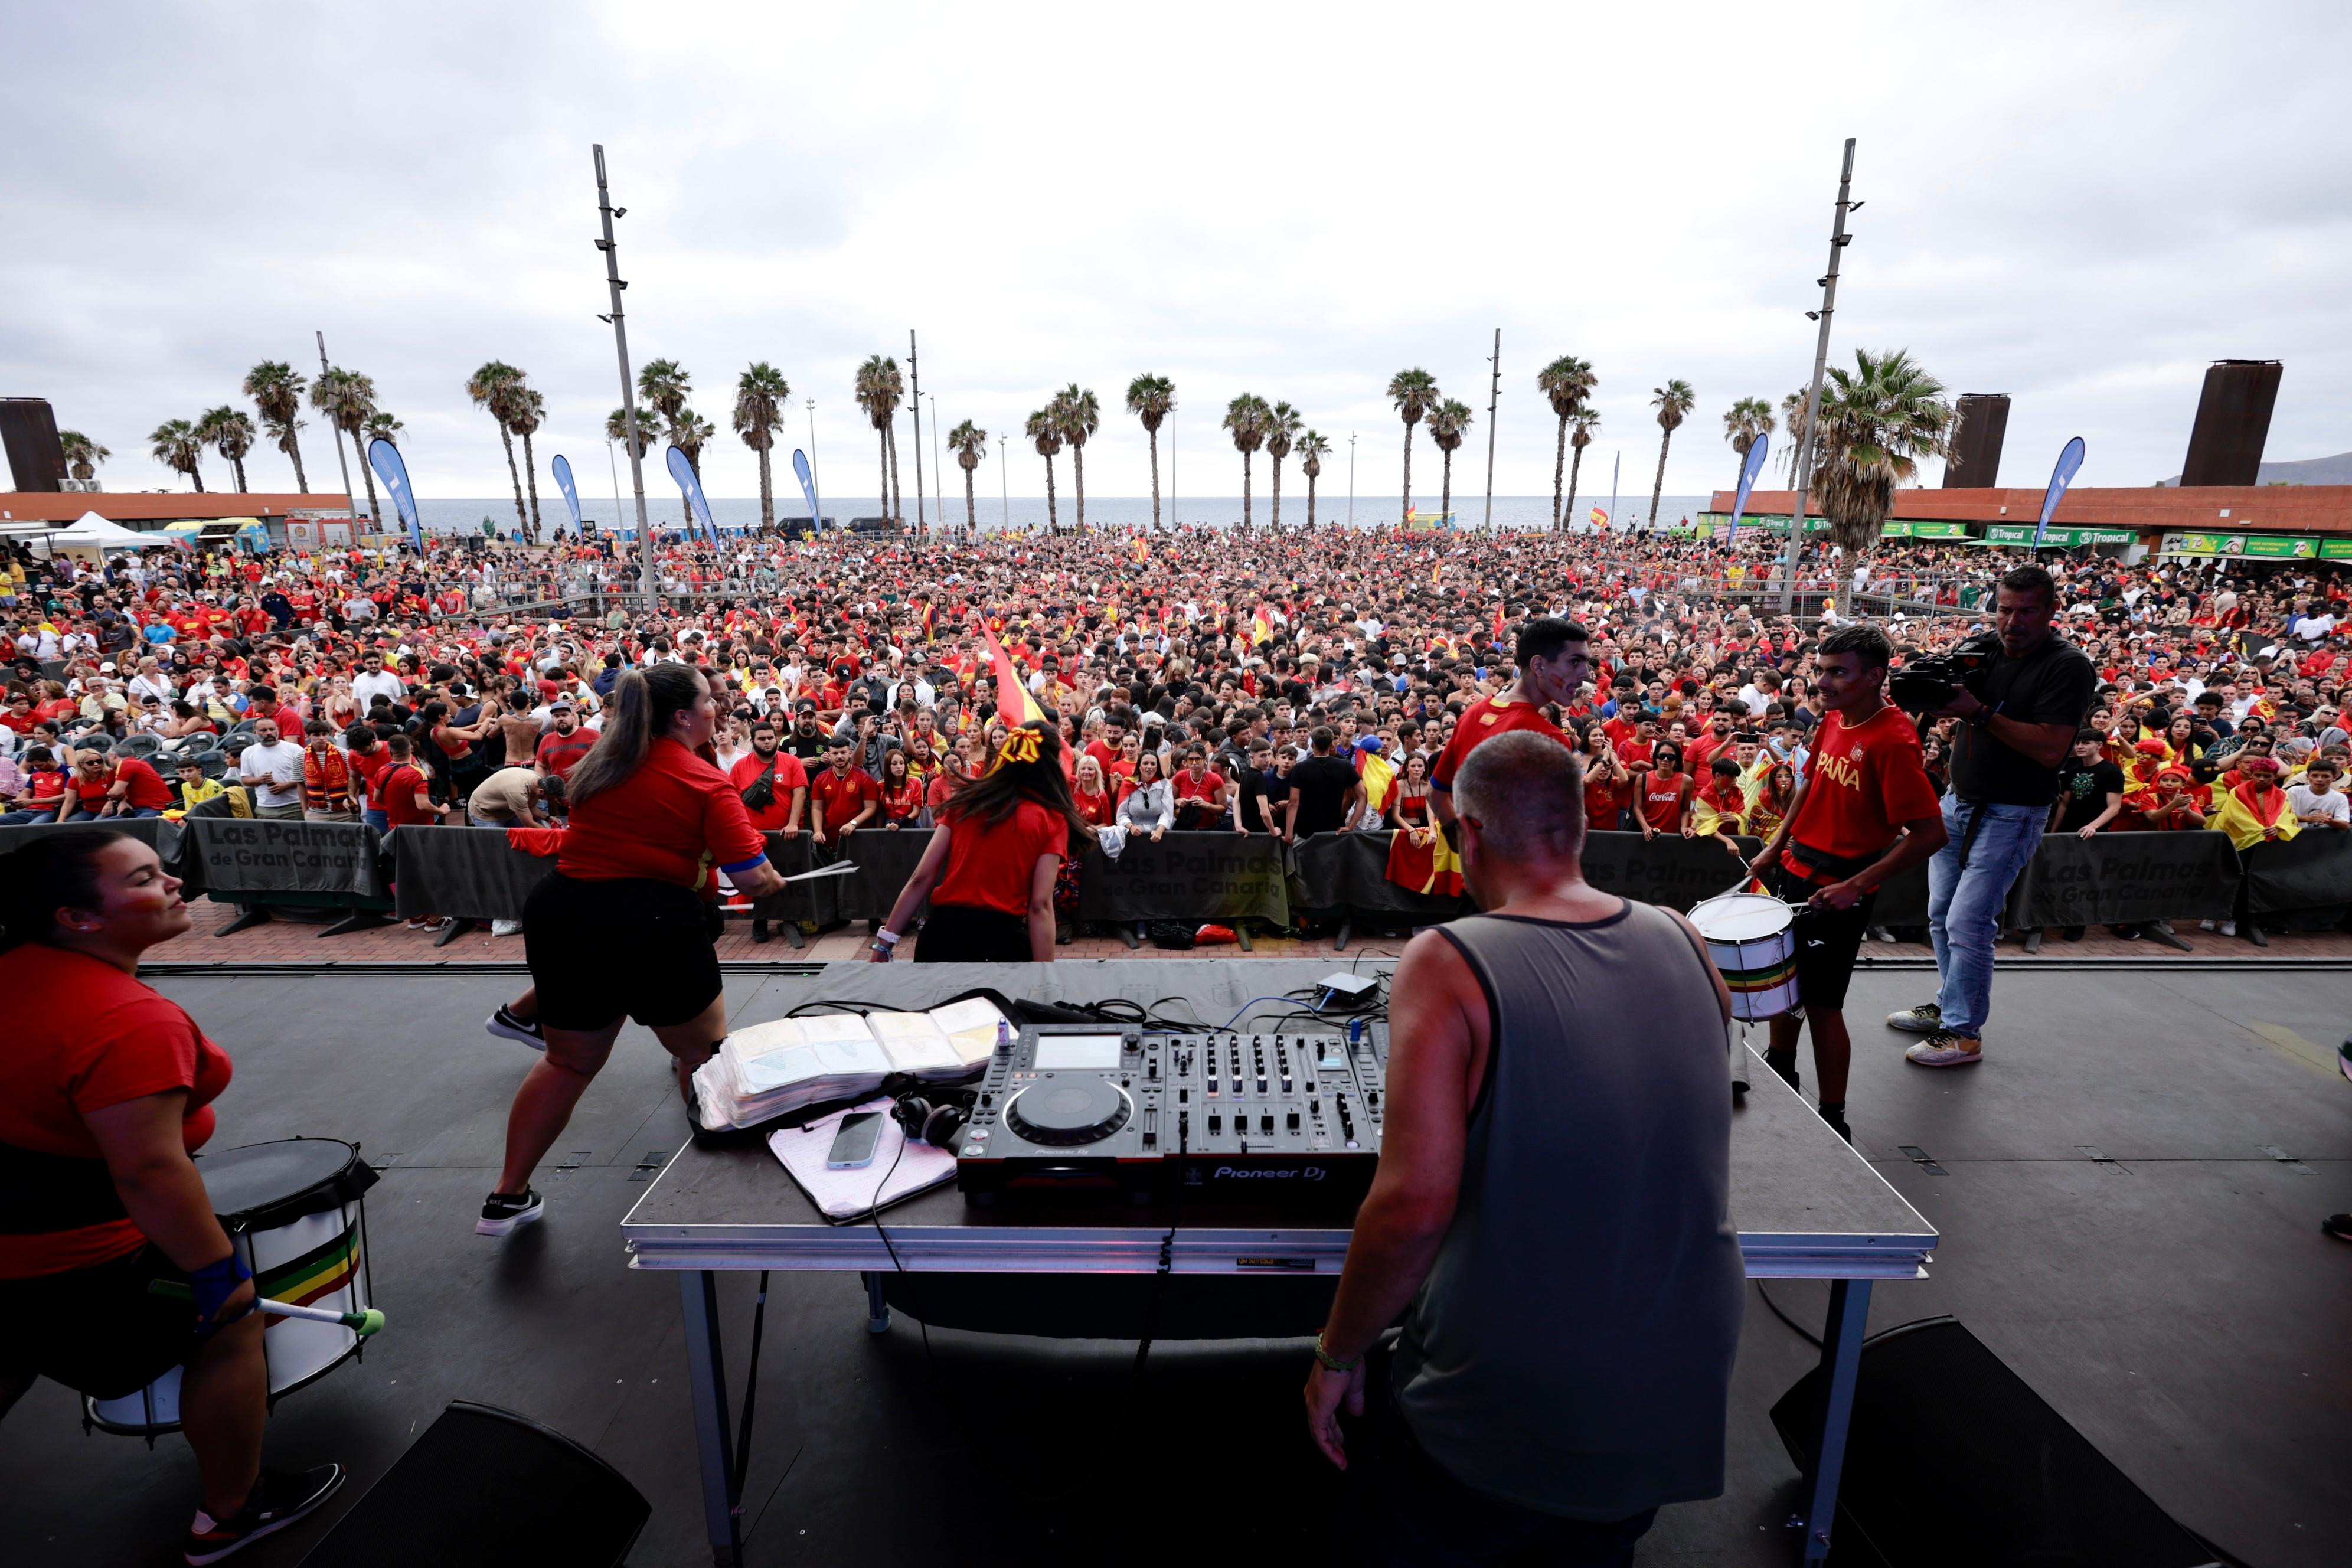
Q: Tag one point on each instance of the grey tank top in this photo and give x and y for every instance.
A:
(1571, 1349)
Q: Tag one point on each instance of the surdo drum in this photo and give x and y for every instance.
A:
(293, 1210)
(1752, 939)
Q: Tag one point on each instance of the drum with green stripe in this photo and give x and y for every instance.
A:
(294, 1211)
(1752, 939)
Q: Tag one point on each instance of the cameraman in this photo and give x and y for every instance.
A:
(2015, 732)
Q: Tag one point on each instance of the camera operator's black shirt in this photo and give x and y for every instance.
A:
(2052, 685)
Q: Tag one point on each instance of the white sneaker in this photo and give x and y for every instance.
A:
(1942, 1050)
(2204, 925)
(505, 927)
(2229, 928)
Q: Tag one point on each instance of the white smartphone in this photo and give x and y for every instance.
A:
(854, 1141)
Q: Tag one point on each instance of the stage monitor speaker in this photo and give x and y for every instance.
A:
(2234, 420)
(1953, 1461)
(1977, 431)
(29, 431)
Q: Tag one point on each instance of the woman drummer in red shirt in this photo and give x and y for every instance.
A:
(624, 929)
(989, 870)
(106, 1090)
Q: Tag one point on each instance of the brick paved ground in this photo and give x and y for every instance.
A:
(284, 941)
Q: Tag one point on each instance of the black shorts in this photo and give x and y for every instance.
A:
(1827, 942)
(965, 933)
(600, 951)
(98, 1331)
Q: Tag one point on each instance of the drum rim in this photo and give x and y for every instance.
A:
(343, 1186)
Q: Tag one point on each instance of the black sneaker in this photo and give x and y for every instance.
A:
(758, 931)
(2338, 1225)
(503, 1214)
(507, 1027)
(1785, 1064)
(1836, 1119)
(1927, 1018)
(278, 1499)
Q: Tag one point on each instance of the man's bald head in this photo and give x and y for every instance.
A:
(1526, 792)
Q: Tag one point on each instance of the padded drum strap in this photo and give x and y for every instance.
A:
(41, 1195)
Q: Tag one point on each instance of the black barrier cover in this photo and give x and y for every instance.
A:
(269, 856)
(814, 901)
(471, 873)
(1903, 899)
(2114, 878)
(166, 839)
(2312, 870)
(1676, 872)
(884, 858)
(1188, 877)
(1348, 873)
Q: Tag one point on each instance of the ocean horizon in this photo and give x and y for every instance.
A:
(466, 514)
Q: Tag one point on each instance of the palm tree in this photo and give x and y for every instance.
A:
(1044, 428)
(382, 427)
(665, 384)
(616, 428)
(527, 411)
(1672, 401)
(1568, 382)
(1247, 418)
(1448, 422)
(1876, 422)
(347, 398)
(971, 443)
(1312, 447)
(1282, 427)
(1415, 393)
(277, 391)
(1744, 422)
(879, 389)
(230, 432)
(1152, 399)
(1792, 415)
(1580, 426)
(1081, 416)
(82, 454)
(690, 432)
(176, 445)
(493, 388)
(760, 392)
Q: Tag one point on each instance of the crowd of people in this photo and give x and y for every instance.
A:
(1306, 683)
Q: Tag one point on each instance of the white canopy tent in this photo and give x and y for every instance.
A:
(92, 531)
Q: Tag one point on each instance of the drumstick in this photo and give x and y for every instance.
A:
(363, 1322)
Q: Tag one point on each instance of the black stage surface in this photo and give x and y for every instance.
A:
(2173, 1298)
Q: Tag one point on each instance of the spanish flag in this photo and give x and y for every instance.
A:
(1377, 774)
(2249, 818)
(1014, 703)
(931, 621)
(1260, 631)
(1498, 621)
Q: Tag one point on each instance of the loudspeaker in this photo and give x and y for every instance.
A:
(2233, 421)
(29, 431)
(1978, 428)
(1953, 1461)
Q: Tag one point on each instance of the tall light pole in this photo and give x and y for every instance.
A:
(939, 465)
(816, 521)
(1004, 490)
(1838, 241)
(1494, 401)
(915, 376)
(1614, 464)
(1352, 478)
(340, 463)
(614, 284)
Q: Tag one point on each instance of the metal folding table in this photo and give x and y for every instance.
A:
(1807, 1208)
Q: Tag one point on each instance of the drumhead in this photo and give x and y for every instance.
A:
(265, 1185)
(1741, 917)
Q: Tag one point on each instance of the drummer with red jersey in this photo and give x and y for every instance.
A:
(1865, 811)
(106, 1090)
(624, 927)
(1552, 657)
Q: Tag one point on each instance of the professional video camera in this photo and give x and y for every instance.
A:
(1929, 682)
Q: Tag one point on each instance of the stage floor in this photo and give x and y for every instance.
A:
(2177, 1300)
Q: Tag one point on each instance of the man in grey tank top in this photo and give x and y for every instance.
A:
(1552, 1201)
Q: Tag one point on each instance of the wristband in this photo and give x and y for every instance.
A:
(1331, 1363)
(882, 948)
(213, 1285)
(887, 934)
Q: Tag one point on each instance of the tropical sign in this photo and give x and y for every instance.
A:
(2255, 546)
(2058, 538)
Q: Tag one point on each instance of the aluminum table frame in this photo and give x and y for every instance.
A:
(1807, 1208)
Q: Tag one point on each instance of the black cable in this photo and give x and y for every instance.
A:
(751, 1388)
(1167, 1261)
(1795, 1327)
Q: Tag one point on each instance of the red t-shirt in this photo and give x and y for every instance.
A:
(1097, 808)
(1487, 718)
(84, 1036)
(1603, 801)
(371, 765)
(671, 821)
(843, 796)
(146, 791)
(1867, 781)
(396, 790)
(790, 776)
(1211, 785)
(559, 755)
(990, 867)
(1662, 799)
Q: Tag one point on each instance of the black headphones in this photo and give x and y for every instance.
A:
(933, 1122)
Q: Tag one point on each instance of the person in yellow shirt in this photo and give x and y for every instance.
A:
(195, 789)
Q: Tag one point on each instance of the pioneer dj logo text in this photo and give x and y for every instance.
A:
(1306, 1173)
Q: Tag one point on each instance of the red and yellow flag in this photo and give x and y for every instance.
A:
(1014, 703)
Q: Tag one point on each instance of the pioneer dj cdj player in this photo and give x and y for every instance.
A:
(1284, 1118)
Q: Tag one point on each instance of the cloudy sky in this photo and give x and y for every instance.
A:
(2078, 204)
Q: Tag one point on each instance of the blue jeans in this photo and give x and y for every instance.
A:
(1964, 902)
(119, 817)
(379, 820)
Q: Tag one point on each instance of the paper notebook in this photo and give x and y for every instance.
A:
(844, 1197)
